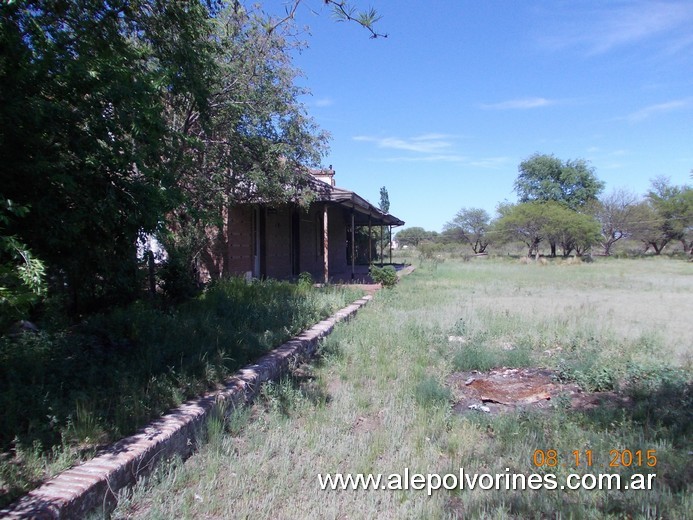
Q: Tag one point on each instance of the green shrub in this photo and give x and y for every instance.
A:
(429, 392)
(305, 281)
(387, 276)
(178, 279)
(474, 357)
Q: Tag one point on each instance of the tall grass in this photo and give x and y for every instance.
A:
(62, 394)
(386, 406)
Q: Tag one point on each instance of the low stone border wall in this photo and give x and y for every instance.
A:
(405, 271)
(95, 483)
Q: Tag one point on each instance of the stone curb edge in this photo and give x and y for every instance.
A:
(80, 489)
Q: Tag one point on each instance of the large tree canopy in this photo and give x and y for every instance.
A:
(21, 274)
(83, 136)
(546, 178)
(666, 215)
(618, 215)
(470, 225)
(413, 236)
(535, 222)
(252, 145)
(118, 117)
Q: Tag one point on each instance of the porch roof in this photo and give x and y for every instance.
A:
(364, 211)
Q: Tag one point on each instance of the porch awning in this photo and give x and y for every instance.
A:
(365, 213)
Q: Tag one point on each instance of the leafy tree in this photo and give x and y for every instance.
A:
(413, 236)
(384, 200)
(22, 279)
(647, 228)
(534, 222)
(471, 226)
(83, 136)
(254, 143)
(124, 117)
(526, 222)
(385, 208)
(546, 178)
(617, 214)
(666, 216)
(571, 230)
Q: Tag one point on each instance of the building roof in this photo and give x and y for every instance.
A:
(364, 211)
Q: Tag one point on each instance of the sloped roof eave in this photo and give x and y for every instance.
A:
(348, 199)
(352, 200)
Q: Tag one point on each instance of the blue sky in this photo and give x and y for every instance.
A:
(443, 110)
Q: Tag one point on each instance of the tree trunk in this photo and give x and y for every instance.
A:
(152, 273)
(229, 244)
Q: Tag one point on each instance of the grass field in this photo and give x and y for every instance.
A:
(378, 400)
(65, 392)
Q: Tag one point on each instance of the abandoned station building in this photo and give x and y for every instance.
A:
(283, 241)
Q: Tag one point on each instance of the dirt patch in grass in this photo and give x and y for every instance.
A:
(366, 423)
(507, 389)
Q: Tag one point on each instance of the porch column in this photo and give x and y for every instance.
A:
(353, 245)
(389, 237)
(382, 246)
(325, 246)
(370, 240)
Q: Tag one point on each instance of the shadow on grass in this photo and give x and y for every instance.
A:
(72, 390)
(663, 411)
(296, 388)
(650, 414)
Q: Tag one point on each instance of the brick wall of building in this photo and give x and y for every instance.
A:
(311, 259)
(338, 218)
(241, 240)
(278, 242)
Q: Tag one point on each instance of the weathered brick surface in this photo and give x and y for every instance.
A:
(94, 484)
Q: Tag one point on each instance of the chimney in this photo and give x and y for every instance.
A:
(324, 175)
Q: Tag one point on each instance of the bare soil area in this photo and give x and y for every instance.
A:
(507, 389)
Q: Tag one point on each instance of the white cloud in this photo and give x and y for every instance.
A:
(324, 102)
(490, 162)
(429, 158)
(519, 104)
(649, 111)
(599, 30)
(430, 147)
(426, 143)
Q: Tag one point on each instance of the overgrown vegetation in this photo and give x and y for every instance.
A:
(64, 393)
(125, 119)
(386, 404)
(386, 275)
(22, 276)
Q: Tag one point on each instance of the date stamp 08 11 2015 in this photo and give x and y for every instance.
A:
(585, 458)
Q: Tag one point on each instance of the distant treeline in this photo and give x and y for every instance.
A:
(561, 206)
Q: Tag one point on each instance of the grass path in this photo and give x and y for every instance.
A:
(377, 401)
